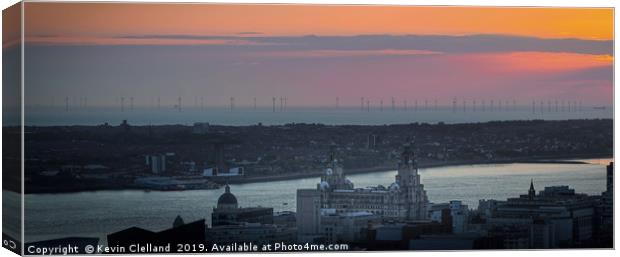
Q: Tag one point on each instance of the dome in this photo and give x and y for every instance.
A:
(394, 186)
(324, 185)
(329, 171)
(227, 199)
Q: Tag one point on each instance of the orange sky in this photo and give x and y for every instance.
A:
(11, 30)
(545, 62)
(309, 68)
(109, 19)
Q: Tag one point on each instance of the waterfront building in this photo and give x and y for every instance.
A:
(156, 162)
(214, 172)
(234, 224)
(403, 200)
(174, 183)
(228, 212)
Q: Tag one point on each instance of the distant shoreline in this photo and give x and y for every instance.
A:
(305, 122)
(556, 159)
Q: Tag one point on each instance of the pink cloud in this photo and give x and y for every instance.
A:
(62, 40)
(343, 53)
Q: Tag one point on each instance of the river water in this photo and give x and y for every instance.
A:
(102, 212)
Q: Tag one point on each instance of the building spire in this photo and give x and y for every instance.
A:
(227, 188)
(178, 221)
(532, 192)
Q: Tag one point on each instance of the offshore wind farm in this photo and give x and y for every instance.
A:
(282, 110)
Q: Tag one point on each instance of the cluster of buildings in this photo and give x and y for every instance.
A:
(556, 217)
(230, 224)
(400, 217)
(166, 172)
(336, 199)
(158, 164)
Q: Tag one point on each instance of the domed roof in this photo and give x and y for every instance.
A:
(329, 171)
(394, 186)
(324, 185)
(227, 198)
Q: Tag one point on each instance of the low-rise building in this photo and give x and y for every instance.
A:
(251, 233)
(350, 227)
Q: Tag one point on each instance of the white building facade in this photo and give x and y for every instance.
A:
(336, 208)
(405, 199)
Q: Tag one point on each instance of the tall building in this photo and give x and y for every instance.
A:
(157, 163)
(604, 221)
(610, 178)
(336, 199)
(308, 214)
(372, 141)
(405, 199)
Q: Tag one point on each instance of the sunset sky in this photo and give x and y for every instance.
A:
(313, 53)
